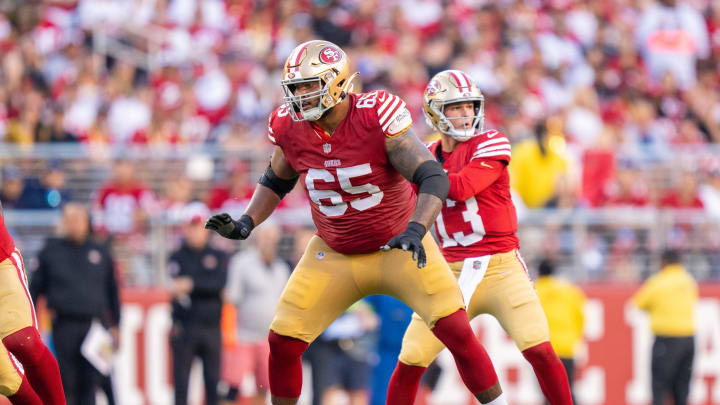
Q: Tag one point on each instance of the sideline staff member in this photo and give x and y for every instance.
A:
(670, 297)
(198, 276)
(77, 276)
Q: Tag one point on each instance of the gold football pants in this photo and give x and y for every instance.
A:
(16, 312)
(10, 378)
(325, 283)
(506, 293)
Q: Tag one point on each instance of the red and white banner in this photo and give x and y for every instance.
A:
(612, 368)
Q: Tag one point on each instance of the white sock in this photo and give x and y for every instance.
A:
(500, 400)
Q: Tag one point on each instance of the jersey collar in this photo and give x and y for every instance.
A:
(320, 132)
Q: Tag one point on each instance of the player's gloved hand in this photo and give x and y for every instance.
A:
(229, 228)
(410, 239)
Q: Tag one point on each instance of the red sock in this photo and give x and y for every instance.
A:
(550, 373)
(25, 395)
(40, 366)
(404, 384)
(473, 363)
(285, 365)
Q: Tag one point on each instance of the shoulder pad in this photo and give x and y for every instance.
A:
(491, 145)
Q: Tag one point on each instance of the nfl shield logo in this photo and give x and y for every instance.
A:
(476, 265)
(327, 148)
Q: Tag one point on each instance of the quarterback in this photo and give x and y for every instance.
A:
(19, 335)
(353, 153)
(476, 229)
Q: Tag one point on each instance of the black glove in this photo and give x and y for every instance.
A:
(410, 239)
(229, 228)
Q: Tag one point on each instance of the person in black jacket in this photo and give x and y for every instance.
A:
(76, 274)
(198, 276)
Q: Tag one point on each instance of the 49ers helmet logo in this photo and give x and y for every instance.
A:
(330, 54)
(432, 87)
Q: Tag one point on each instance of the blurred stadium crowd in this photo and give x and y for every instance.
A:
(612, 105)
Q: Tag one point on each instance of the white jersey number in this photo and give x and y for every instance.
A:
(469, 215)
(337, 206)
(369, 100)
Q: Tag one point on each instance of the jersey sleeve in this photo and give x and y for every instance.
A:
(644, 297)
(393, 116)
(492, 145)
(473, 178)
(275, 124)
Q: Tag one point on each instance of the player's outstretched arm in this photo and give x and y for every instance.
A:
(278, 180)
(415, 162)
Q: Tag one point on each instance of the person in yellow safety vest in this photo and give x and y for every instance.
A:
(563, 303)
(670, 297)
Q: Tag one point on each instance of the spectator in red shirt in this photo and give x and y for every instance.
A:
(233, 195)
(627, 189)
(121, 205)
(684, 195)
(177, 195)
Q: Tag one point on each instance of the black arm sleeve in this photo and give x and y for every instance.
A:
(280, 186)
(432, 179)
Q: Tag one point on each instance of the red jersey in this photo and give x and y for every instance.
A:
(359, 201)
(116, 207)
(7, 245)
(673, 199)
(477, 218)
(222, 200)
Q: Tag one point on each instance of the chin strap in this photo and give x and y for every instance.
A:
(349, 86)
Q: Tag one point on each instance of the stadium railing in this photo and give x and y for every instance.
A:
(606, 244)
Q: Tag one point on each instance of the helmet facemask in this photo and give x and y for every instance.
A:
(318, 101)
(444, 124)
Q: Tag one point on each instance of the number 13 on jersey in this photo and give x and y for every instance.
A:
(469, 215)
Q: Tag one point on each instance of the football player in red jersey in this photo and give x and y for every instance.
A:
(19, 335)
(476, 229)
(353, 153)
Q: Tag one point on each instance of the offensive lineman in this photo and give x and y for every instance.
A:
(476, 229)
(353, 153)
(19, 335)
